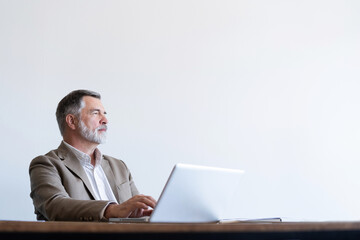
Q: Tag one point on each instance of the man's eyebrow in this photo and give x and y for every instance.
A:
(96, 110)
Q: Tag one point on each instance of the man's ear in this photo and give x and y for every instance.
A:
(71, 121)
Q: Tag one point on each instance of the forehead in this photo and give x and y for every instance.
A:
(92, 103)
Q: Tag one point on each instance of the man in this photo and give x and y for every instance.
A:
(76, 182)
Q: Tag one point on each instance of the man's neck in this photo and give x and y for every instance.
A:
(83, 146)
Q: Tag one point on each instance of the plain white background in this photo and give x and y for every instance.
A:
(270, 87)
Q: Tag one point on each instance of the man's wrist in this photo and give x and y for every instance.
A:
(108, 213)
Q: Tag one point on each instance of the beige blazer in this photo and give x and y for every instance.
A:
(61, 191)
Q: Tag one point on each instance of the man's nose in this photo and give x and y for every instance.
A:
(103, 120)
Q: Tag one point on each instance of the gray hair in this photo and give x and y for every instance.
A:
(72, 104)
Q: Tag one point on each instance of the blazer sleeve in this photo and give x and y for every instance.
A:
(50, 198)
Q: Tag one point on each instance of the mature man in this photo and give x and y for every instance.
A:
(76, 182)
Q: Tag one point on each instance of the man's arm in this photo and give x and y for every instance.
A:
(52, 201)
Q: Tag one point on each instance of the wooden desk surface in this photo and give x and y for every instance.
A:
(20, 226)
(281, 230)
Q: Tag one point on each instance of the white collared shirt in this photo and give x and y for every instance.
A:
(95, 174)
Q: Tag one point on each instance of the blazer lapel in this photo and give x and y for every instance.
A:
(110, 177)
(72, 163)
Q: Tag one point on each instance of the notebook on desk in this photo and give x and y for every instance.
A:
(193, 194)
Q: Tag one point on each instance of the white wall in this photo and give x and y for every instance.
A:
(271, 87)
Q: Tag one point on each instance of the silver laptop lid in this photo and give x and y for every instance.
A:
(196, 194)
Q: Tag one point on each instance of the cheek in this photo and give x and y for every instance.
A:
(94, 123)
(89, 123)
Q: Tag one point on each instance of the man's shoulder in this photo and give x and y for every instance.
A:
(116, 163)
(53, 156)
(113, 159)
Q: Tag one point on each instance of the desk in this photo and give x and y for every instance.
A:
(102, 231)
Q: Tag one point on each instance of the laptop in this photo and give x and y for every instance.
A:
(193, 194)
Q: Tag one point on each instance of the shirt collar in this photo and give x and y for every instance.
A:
(84, 158)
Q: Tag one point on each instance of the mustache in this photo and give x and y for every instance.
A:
(102, 127)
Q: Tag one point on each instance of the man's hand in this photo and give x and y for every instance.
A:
(136, 206)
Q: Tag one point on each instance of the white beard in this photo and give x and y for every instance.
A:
(93, 136)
